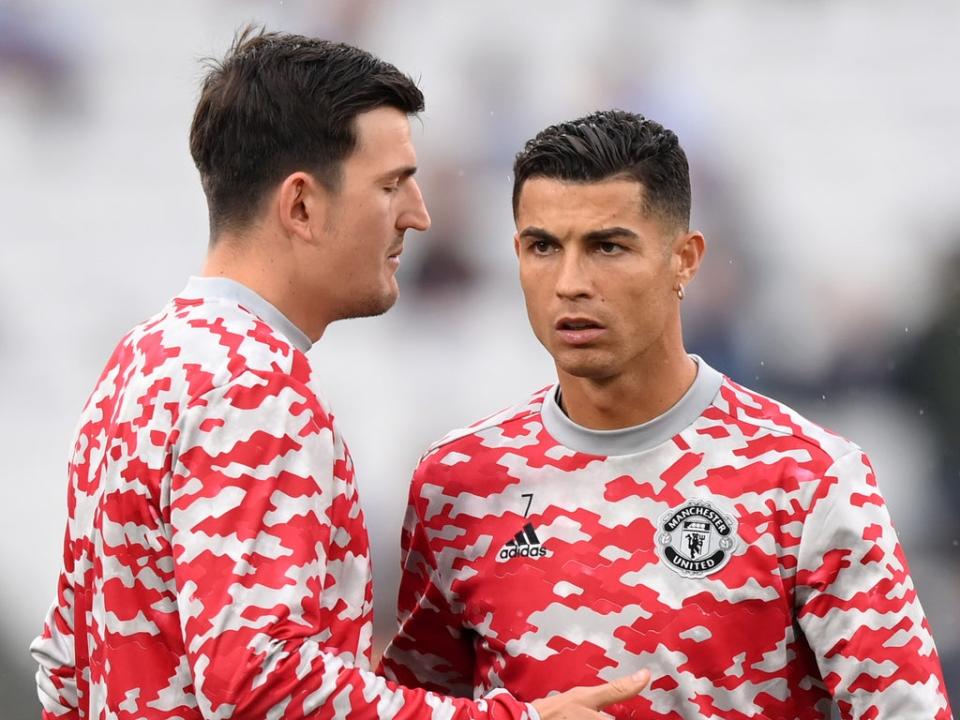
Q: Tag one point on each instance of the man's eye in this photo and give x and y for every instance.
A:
(609, 248)
(541, 246)
(392, 188)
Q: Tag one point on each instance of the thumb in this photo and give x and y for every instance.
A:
(616, 691)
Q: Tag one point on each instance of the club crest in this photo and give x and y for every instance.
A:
(696, 539)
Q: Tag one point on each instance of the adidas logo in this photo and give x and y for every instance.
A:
(524, 544)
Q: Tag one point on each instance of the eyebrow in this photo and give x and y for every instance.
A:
(538, 233)
(402, 173)
(609, 234)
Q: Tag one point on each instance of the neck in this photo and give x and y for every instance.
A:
(271, 273)
(631, 398)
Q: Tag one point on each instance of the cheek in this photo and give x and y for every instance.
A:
(535, 298)
(365, 216)
(638, 300)
(654, 308)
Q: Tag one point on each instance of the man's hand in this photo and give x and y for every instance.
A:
(585, 703)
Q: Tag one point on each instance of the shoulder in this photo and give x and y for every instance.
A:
(769, 423)
(515, 415)
(493, 434)
(215, 342)
(197, 354)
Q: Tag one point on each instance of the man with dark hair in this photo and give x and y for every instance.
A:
(216, 558)
(646, 511)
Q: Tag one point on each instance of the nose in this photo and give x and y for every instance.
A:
(414, 214)
(573, 278)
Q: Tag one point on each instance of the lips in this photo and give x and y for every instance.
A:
(578, 330)
(394, 257)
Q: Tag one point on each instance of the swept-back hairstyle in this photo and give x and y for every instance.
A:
(610, 144)
(278, 103)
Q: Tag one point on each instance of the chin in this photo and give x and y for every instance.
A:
(585, 364)
(372, 305)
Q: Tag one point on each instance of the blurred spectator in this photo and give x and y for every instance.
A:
(930, 372)
(443, 267)
(37, 58)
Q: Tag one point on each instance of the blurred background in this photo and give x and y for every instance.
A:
(822, 138)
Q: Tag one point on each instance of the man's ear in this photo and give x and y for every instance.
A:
(302, 205)
(516, 243)
(689, 250)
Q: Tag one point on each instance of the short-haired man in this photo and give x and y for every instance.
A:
(645, 510)
(216, 559)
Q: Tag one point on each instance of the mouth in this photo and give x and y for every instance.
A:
(578, 330)
(394, 257)
(577, 323)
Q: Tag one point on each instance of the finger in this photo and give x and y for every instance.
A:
(615, 691)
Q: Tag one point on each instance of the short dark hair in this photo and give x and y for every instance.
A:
(278, 103)
(609, 144)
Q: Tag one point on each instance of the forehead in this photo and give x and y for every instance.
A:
(383, 140)
(567, 207)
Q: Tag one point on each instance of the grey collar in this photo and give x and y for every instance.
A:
(625, 441)
(221, 288)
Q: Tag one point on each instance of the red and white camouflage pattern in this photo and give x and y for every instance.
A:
(216, 561)
(814, 606)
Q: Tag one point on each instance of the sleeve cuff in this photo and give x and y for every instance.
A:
(531, 711)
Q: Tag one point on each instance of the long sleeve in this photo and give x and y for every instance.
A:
(55, 650)
(431, 649)
(255, 509)
(857, 606)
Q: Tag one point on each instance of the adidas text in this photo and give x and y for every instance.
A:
(512, 552)
(525, 543)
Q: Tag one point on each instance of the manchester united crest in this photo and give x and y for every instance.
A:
(697, 538)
